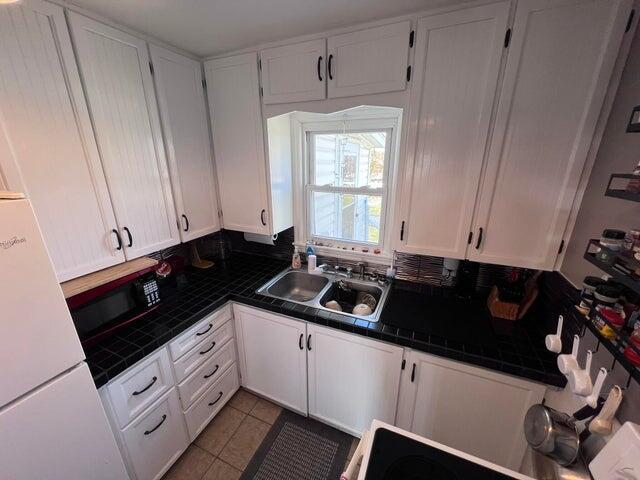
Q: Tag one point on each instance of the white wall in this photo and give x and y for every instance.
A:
(619, 152)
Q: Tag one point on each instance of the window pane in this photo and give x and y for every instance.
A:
(349, 159)
(348, 217)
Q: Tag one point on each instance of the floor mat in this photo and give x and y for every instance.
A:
(299, 448)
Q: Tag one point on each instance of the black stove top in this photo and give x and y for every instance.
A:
(396, 457)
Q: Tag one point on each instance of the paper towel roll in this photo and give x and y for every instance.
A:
(258, 238)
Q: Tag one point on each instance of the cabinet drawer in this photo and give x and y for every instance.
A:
(139, 387)
(198, 332)
(156, 439)
(206, 374)
(201, 413)
(186, 365)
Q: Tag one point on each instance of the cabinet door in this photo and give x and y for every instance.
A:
(456, 72)
(471, 409)
(294, 73)
(47, 147)
(238, 142)
(352, 380)
(180, 92)
(119, 89)
(368, 61)
(560, 61)
(272, 356)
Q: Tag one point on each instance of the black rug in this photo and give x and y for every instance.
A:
(299, 448)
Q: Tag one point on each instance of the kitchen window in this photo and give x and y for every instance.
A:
(347, 185)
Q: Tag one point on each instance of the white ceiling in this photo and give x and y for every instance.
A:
(209, 27)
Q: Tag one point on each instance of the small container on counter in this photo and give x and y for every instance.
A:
(632, 240)
(606, 295)
(633, 355)
(609, 322)
(612, 239)
(587, 296)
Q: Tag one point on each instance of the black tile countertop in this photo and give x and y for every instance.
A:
(424, 318)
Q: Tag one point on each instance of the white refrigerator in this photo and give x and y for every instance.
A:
(52, 424)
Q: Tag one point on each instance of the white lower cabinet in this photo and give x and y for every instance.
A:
(132, 393)
(272, 356)
(193, 386)
(203, 411)
(474, 410)
(157, 406)
(156, 439)
(352, 380)
(186, 365)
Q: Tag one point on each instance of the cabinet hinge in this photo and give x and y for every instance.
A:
(507, 38)
(469, 238)
(630, 20)
(561, 248)
(411, 37)
(204, 83)
(409, 73)
(404, 364)
(151, 68)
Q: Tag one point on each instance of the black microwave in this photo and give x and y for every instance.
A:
(103, 310)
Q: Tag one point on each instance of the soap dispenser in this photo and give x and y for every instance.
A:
(296, 263)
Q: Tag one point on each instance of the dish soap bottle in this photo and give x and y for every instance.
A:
(295, 260)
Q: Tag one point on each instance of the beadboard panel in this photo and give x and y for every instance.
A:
(119, 89)
(457, 62)
(180, 90)
(47, 148)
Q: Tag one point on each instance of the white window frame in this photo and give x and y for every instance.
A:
(343, 247)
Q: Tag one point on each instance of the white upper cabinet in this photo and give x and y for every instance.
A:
(180, 92)
(456, 68)
(47, 147)
(119, 88)
(368, 61)
(238, 142)
(560, 61)
(294, 73)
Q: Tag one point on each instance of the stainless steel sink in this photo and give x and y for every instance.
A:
(300, 287)
(297, 286)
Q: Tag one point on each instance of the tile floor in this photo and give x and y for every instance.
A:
(223, 449)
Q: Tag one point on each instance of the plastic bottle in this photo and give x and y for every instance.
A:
(295, 260)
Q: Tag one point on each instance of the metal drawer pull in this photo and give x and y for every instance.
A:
(309, 342)
(211, 404)
(213, 373)
(119, 247)
(129, 235)
(147, 432)
(186, 221)
(208, 328)
(208, 349)
(413, 373)
(138, 392)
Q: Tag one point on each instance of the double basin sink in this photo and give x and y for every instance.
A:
(317, 290)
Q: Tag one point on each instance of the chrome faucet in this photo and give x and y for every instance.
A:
(361, 267)
(343, 271)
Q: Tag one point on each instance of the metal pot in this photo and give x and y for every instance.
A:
(552, 433)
